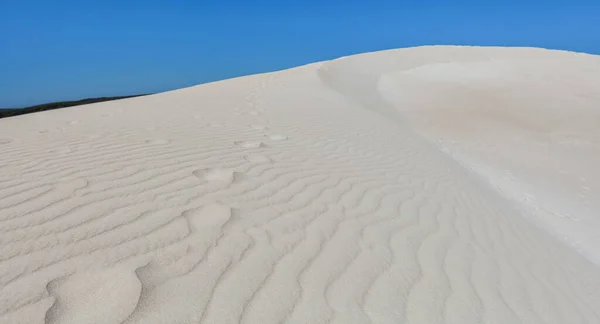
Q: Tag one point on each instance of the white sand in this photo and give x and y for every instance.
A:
(425, 185)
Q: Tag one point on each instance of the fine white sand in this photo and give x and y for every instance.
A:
(424, 185)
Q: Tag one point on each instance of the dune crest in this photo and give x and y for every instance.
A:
(422, 185)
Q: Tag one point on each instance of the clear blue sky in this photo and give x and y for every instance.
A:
(59, 50)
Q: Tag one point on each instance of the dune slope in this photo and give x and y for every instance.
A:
(422, 185)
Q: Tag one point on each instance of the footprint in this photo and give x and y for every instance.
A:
(103, 296)
(206, 224)
(276, 137)
(257, 158)
(158, 142)
(220, 175)
(255, 113)
(259, 127)
(5, 141)
(208, 220)
(249, 144)
(62, 150)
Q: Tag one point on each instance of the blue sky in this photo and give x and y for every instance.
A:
(64, 50)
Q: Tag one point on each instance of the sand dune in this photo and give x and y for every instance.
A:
(422, 185)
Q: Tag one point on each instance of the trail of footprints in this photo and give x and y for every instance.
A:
(205, 224)
(228, 176)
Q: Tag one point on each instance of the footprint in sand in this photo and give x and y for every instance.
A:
(276, 137)
(259, 127)
(257, 158)
(62, 150)
(158, 142)
(111, 296)
(5, 141)
(219, 175)
(249, 144)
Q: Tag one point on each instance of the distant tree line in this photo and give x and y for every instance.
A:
(9, 112)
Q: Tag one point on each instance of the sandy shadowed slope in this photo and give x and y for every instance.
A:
(423, 185)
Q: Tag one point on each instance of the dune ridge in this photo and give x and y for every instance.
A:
(349, 191)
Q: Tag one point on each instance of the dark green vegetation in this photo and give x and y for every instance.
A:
(56, 105)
